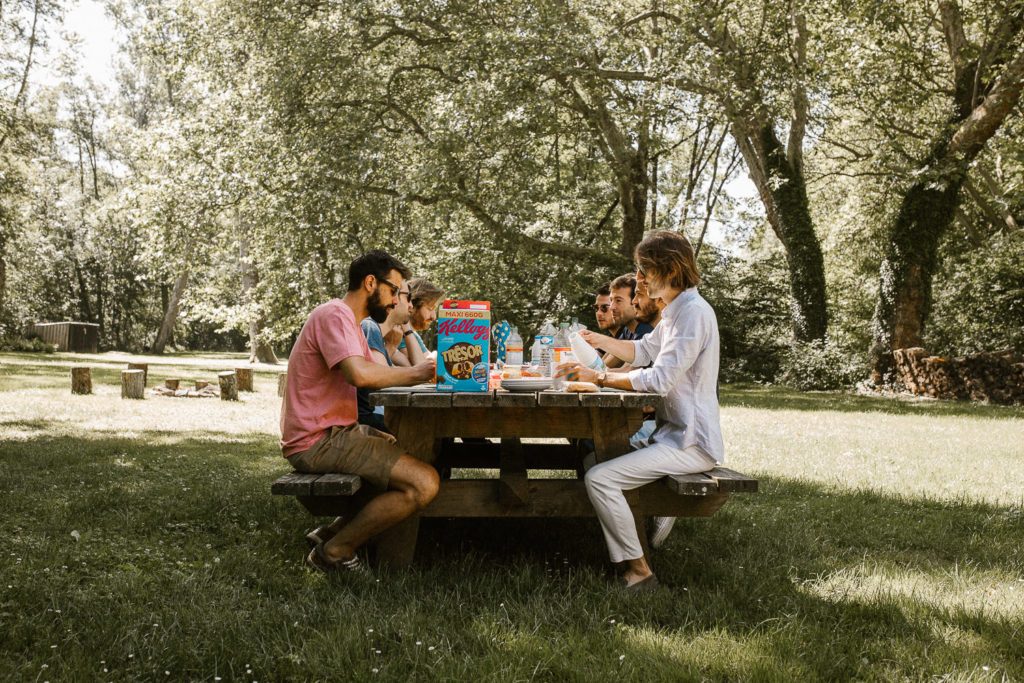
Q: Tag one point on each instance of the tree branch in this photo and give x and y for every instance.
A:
(956, 41)
(989, 115)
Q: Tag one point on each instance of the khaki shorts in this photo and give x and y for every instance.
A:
(352, 449)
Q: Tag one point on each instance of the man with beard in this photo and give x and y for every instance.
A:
(320, 431)
(623, 290)
(382, 338)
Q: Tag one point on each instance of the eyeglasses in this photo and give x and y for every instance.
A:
(395, 289)
(603, 308)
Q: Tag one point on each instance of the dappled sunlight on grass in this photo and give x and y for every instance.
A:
(960, 589)
(140, 537)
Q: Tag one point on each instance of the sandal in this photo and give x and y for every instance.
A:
(641, 586)
(318, 560)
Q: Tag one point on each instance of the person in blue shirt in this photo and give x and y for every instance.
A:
(423, 299)
(623, 291)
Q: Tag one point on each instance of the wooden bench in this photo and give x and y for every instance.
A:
(694, 495)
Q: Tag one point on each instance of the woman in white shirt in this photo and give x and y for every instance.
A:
(682, 352)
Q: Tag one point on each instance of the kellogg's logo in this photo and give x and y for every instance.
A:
(463, 326)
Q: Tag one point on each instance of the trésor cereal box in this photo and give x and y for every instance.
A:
(463, 345)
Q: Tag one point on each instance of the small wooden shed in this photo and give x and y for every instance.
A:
(68, 336)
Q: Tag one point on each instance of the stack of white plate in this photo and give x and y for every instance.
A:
(527, 384)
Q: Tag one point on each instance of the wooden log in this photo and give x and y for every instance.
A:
(201, 384)
(81, 379)
(282, 382)
(243, 376)
(172, 384)
(228, 385)
(145, 372)
(133, 383)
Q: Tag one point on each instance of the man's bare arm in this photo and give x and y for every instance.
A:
(620, 348)
(366, 374)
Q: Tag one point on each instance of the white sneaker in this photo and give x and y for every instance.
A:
(660, 529)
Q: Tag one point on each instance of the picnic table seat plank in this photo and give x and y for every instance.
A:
(294, 484)
(731, 481)
(692, 484)
(336, 484)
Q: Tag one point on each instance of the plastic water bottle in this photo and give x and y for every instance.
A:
(514, 348)
(585, 353)
(547, 340)
(575, 326)
(536, 351)
(561, 352)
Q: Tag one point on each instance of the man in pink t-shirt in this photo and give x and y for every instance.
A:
(319, 428)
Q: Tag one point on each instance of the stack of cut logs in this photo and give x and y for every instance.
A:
(172, 387)
(995, 377)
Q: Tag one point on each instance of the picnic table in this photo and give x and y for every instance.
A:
(454, 430)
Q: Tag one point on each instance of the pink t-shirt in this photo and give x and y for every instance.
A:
(317, 395)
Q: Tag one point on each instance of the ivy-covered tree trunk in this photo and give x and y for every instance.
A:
(259, 349)
(981, 103)
(905, 288)
(795, 229)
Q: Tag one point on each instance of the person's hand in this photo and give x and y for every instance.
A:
(574, 372)
(593, 338)
(393, 338)
(425, 371)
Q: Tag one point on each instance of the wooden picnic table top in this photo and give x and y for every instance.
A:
(424, 397)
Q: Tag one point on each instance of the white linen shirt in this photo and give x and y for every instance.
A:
(683, 354)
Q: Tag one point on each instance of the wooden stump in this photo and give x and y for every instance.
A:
(282, 382)
(201, 384)
(172, 384)
(145, 371)
(244, 378)
(228, 386)
(133, 383)
(81, 379)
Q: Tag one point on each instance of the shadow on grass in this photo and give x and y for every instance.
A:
(786, 398)
(752, 582)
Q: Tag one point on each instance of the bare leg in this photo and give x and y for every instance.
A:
(636, 570)
(413, 484)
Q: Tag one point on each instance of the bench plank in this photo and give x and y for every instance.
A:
(337, 484)
(731, 481)
(294, 484)
(692, 485)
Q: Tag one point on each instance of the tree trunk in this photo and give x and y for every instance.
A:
(783, 192)
(145, 371)
(633, 184)
(259, 349)
(929, 207)
(170, 314)
(3, 276)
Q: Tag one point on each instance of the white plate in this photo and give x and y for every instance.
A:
(526, 384)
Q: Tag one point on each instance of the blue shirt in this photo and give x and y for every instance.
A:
(642, 330)
(423, 347)
(375, 340)
(683, 354)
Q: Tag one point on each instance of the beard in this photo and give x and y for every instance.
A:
(378, 312)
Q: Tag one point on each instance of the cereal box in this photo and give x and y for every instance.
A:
(463, 345)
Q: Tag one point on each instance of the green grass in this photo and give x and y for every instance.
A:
(887, 542)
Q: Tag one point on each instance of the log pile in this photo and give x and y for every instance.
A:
(996, 377)
(172, 387)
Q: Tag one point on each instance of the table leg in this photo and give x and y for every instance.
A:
(397, 546)
(611, 433)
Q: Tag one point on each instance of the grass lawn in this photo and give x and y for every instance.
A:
(139, 541)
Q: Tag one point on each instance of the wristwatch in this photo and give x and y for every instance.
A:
(601, 377)
(408, 332)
